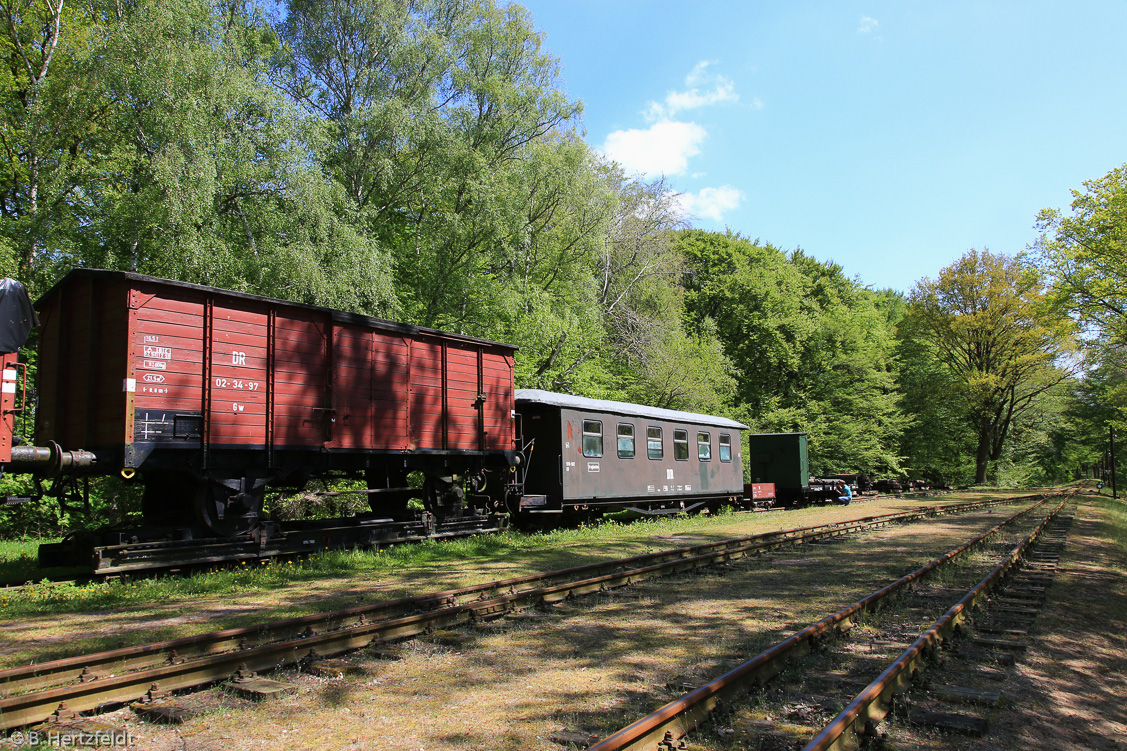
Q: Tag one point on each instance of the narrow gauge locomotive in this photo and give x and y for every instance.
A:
(209, 396)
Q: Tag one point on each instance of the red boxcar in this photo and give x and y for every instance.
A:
(212, 394)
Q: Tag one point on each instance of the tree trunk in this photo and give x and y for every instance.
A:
(982, 456)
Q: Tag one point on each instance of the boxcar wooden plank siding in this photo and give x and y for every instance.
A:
(132, 359)
(352, 389)
(90, 352)
(168, 356)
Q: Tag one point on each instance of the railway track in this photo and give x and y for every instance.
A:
(1018, 584)
(160, 557)
(61, 688)
(797, 709)
(157, 557)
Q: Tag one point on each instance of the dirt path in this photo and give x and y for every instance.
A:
(1069, 693)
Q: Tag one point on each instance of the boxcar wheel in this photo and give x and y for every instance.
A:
(393, 492)
(164, 503)
(229, 506)
(443, 495)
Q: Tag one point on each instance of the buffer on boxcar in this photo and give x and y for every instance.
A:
(17, 319)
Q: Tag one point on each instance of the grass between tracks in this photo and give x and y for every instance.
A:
(547, 551)
(1117, 521)
(46, 596)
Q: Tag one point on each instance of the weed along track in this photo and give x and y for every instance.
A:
(786, 697)
(960, 693)
(62, 689)
(136, 560)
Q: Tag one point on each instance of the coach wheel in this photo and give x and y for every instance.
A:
(229, 506)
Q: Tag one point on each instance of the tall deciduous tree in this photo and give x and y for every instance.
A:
(52, 129)
(438, 118)
(937, 444)
(172, 154)
(987, 318)
(811, 349)
(1084, 254)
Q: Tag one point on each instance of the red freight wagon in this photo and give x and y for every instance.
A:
(210, 395)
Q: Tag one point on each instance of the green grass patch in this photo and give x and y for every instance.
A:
(47, 597)
(19, 562)
(15, 550)
(540, 551)
(1116, 520)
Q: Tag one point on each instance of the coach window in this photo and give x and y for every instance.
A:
(592, 438)
(725, 447)
(704, 447)
(681, 445)
(654, 447)
(625, 440)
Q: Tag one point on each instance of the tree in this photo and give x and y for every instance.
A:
(1084, 255)
(596, 304)
(987, 318)
(937, 443)
(439, 119)
(811, 349)
(52, 130)
(194, 168)
(755, 298)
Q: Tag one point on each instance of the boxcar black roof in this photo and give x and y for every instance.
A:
(536, 396)
(337, 315)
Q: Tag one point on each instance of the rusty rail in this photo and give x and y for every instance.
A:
(677, 718)
(875, 700)
(87, 681)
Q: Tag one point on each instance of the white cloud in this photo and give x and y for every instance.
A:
(662, 149)
(710, 203)
(868, 25)
(703, 88)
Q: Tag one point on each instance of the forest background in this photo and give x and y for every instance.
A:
(419, 160)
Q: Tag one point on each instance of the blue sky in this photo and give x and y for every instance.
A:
(890, 137)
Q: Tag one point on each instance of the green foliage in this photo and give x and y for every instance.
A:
(937, 443)
(92, 503)
(54, 139)
(812, 350)
(1002, 347)
(445, 126)
(151, 139)
(1084, 254)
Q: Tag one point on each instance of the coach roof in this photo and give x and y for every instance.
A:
(536, 396)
